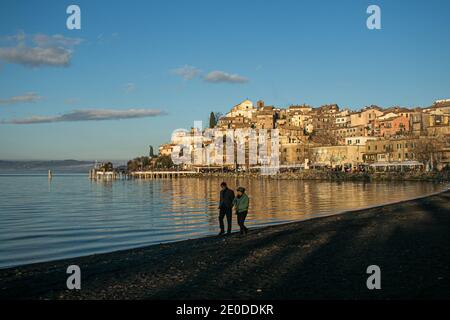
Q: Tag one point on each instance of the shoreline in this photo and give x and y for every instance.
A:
(256, 227)
(176, 270)
(309, 175)
(328, 175)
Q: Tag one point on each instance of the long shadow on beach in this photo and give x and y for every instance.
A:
(328, 258)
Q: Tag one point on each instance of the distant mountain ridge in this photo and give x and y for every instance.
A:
(42, 166)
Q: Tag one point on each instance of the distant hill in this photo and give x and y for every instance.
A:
(35, 166)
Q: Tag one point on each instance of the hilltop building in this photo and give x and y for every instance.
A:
(329, 136)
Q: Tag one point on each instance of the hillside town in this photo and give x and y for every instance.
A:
(325, 136)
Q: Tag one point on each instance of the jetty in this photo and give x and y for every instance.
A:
(162, 174)
(114, 175)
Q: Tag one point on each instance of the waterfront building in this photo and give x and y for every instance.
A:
(265, 118)
(166, 149)
(365, 116)
(327, 135)
(294, 153)
(353, 131)
(358, 141)
(389, 150)
(234, 122)
(349, 156)
(392, 126)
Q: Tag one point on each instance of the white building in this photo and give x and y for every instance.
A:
(343, 118)
(358, 141)
(243, 109)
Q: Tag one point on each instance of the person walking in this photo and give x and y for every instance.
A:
(225, 207)
(241, 203)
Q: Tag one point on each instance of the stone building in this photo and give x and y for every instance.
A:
(397, 125)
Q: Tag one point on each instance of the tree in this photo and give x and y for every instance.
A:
(145, 161)
(139, 163)
(217, 116)
(428, 151)
(311, 155)
(164, 162)
(212, 120)
(336, 158)
(132, 165)
(151, 153)
(107, 166)
(324, 138)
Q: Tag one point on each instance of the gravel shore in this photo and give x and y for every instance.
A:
(323, 258)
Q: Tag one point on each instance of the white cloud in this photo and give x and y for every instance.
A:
(89, 115)
(35, 57)
(28, 97)
(56, 40)
(224, 77)
(55, 50)
(187, 72)
(19, 37)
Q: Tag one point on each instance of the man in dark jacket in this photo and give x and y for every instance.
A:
(225, 207)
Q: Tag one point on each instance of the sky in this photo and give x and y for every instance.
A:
(137, 70)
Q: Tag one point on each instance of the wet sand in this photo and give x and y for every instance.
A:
(322, 258)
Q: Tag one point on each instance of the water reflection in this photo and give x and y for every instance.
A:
(287, 200)
(72, 216)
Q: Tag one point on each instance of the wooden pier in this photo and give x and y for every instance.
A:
(113, 175)
(161, 174)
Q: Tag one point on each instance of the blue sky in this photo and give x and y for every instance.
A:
(161, 65)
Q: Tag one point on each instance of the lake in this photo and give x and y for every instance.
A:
(71, 216)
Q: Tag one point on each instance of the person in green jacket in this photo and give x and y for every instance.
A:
(241, 203)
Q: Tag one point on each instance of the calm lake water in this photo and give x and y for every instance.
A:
(73, 216)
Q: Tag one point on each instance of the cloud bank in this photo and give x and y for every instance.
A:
(89, 115)
(221, 76)
(188, 72)
(41, 50)
(36, 57)
(56, 40)
(28, 97)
